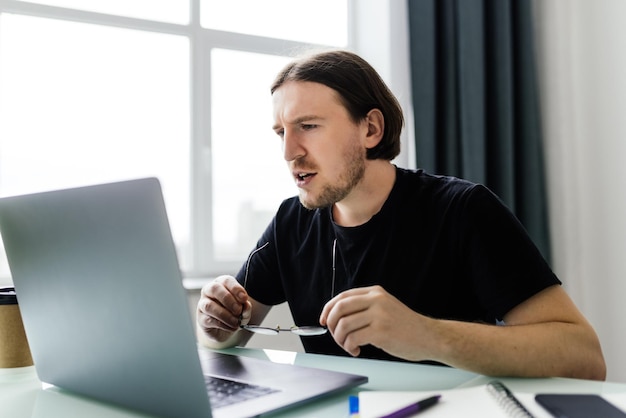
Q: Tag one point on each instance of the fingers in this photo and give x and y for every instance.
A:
(342, 304)
(352, 331)
(223, 305)
(354, 317)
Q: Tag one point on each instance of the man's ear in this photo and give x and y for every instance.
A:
(375, 127)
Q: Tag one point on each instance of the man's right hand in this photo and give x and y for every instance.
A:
(223, 306)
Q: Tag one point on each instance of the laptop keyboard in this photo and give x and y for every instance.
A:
(224, 392)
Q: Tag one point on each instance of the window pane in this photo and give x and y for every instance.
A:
(83, 104)
(250, 176)
(172, 11)
(313, 21)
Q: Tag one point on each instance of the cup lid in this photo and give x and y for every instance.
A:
(8, 296)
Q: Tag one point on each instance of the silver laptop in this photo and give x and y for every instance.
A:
(105, 312)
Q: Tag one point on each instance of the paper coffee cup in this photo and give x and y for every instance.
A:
(14, 349)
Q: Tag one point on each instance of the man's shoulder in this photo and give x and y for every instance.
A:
(421, 181)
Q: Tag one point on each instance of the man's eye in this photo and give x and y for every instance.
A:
(280, 132)
(308, 127)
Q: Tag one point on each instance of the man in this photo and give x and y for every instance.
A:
(395, 263)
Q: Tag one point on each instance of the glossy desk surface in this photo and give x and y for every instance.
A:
(22, 395)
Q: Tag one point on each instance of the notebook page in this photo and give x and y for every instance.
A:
(472, 402)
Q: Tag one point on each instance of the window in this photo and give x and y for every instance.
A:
(281, 19)
(94, 91)
(251, 179)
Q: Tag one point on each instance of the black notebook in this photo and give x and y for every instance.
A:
(569, 405)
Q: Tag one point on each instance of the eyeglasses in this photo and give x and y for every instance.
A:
(307, 330)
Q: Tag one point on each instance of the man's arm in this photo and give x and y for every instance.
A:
(544, 336)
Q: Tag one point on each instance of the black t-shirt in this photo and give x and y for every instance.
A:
(445, 247)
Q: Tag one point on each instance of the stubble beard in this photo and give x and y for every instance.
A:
(348, 179)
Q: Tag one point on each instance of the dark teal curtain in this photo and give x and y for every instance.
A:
(475, 98)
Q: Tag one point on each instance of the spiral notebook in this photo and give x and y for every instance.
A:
(490, 400)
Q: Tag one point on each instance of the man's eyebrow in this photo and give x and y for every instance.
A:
(300, 119)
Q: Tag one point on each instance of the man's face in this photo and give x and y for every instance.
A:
(323, 147)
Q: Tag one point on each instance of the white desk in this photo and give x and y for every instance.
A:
(22, 395)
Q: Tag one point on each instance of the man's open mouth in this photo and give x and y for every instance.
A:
(302, 176)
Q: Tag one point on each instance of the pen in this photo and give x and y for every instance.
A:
(414, 408)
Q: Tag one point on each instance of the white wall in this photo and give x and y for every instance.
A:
(381, 36)
(582, 51)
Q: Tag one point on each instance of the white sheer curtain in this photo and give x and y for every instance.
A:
(582, 67)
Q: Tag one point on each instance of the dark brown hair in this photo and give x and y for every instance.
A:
(360, 88)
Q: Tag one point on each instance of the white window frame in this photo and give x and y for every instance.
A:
(388, 52)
